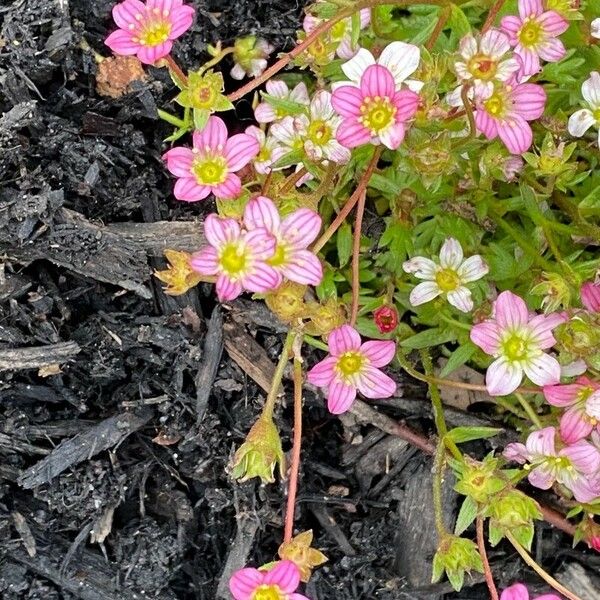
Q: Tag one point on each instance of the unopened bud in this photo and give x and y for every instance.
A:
(455, 556)
(287, 301)
(386, 318)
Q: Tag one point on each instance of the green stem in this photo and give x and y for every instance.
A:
(315, 343)
(455, 322)
(529, 410)
(216, 60)
(169, 118)
(278, 375)
(438, 477)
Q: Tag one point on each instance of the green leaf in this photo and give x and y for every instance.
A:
(291, 158)
(289, 107)
(466, 515)
(458, 358)
(456, 579)
(524, 535)
(344, 243)
(460, 435)
(495, 535)
(458, 22)
(355, 33)
(200, 118)
(427, 338)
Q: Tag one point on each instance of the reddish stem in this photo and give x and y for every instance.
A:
(492, 15)
(489, 578)
(176, 69)
(439, 27)
(360, 211)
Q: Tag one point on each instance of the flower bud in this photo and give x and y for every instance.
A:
(287, 301)
(386, 318)
(579, 336)
(454, 556)
(299, 551)
(479, 481)
(556, 292)
(259, 454)
(588, 531)
(324, 318)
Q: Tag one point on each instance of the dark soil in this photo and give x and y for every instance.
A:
(119, 407)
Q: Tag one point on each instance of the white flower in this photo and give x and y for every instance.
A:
(269, 153)
(250, 57)
(289, 138)
(595, 28)
(582, 120)
(266, 113)
(448, 278)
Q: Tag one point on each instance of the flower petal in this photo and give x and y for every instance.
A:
(213, 136)
(472, 269)
(188, 189)
(562, 395)
(400, 59)
(150, 54)
(263, 278)
(580, 121)
(261, 212)
(516, 134)
(573, 425)
(424, 292)
(227, 289)
(421, 267)
(244, 582)
(541, 327)
(591, 90)
(553, 23)
(510, 311)
(584, 456)
(229, 189)
(121, 42)
(377, 81)
(461, 299)
(285, 575)
(541, 443)
(530, 61)
(220, 231)
(303, 267)
(179, 161)
(260, 243)
(494, 43)
(503, 377)
(552, 50)
(354, 68)
(340, 397)
(343, 339)
(373, 383)
(530, 8)
(323, 372)
(240, 149)
(128, 13)
(529, 100)
(351, 133)
(301, 228)
(487, 336)
(515, 592)
(181, 20)
(392, 137)
(347, 100)
(451, 254)
(590, 296)
(541, 477)
(379, 353)
(542, 370)
(205, 261)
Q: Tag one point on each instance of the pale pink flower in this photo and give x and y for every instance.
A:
(575, 466)
(269, 150)
(581, 120)
(534, 34)
(148, 30)
(582, 401)
(267, 113)
(351, 366)
(318, 130)
(238, 259)
(210, 166)
(448, 278)
(372, 104)
(250, 59)
(505, 110)
(517, 341)
(590, 296)
(293, 235)
(280, 582)
(518, 591)
(595, 28)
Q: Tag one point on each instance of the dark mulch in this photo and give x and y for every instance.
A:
(113, 454)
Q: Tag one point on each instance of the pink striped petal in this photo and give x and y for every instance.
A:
(220, 231)
(541, 477)
(511, 26)
(562, 395)
(303, 267)
(406, 103)
(120, 42)
(240, 149)
(553, 23)
(584, 488)
(530, 8)
(592, 405)
(510, 311)
(421, 267)
(379, 353)
(541, 327)
(373, 383)
(552, 50)
(502, 377)
(181, 20)
(285, 575)
(244, 582)
(188, 189)
(261, 212)
(543, 370)
(392, 137)
(516, 134)
(494, 43)
(377, 81)
(487, 336)
(573, 425)
(340, 397)
(343, 339)
(515, 592)
(352, 133)
(461, 299)
(451, 254)
(150, 54)
(260, 243)
(347, 100)
(124, 14)
(584, 456)
(227, 289)
(530, 60)
(542, 443)
(590, 296)
(301, 228)
(229, 189)
(179, 161)
(472, 269)
(206, 261)
(486, 124)
(424, 292)
(213, 136)
(516, 452)
(265, 113)
(263, 278)
(323, 372)
(529, 100)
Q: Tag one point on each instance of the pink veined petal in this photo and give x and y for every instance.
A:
(303, 267)
(343, 339)
(377, 81)
(120, 42)
(487, 336)
(262, 278)
(124, 13)
(541, 327)
(150, 54)
(260, 243)
(584, 456)
(530, 8)
(590, 296)
(392, 137)
(516, 134)
(340, 397)
(227, 289)
(240, 149)
(400, 59)
(530, 60)
(220, 231)
(244, 582)
(229, 189)
(261, 212)
(553, 23)
(323, 372)
(486, 124)
(507, 68)
(181, 20)
(502, 377)
(542, 370)
(285, 575)
(541, 477)
(320, 106)
(277, 88)
(494, 43)
(347, 100)
(573, 425)
(467, 46)
(188, 189)
(205, 261)
(562, 395)
(351, 133)
(584, 489)
(301, 228)
(213, 136)
(379, 353)
(421, 267)
(517, 452)
(265, 113)
(529, 100)
(511, 26)
(472, 269)
(541, 443)
(461, 299)
(424, 292)
(406, 103)
(355, 67)
(510, 311)
(552, 50)
(373, 383)
(300, 94)
(179, 161)
(451, 254)
(515, 592)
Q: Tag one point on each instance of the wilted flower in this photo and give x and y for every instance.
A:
(575, 466)
(278, 583)
(179, 275)
(293, 235)
(581, 120)
(287, 301)
(250, 56)
(455, 556)
(351, 366)
(148, 30)
(267, 113)
(299, 551)
(210, 166)
(534, 34)
(269, 150)
(518, 591)
(386, 318)
(448, 278)
(590, 296)
(517, 341)
(325, 317)
(239, 260)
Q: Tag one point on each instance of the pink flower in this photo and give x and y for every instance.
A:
(582, 401)
(239, 260)
(518, 591)
(533, 34)
(293, 235)
(278, 583)
(504, 111)
(148, 30)
(517, 341)
(269, 151)
(590, 296)
(212, 163)
(373, 107)
(351, 366)
(266, 113)
(575, 466)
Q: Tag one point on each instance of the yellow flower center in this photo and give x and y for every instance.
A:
(561, 462)
(596, 114)
(210, 170)
(319, 132)
(495, 105)
(319, 51)
(447, 280)
(264, 154)
(280, 256)
(531, 33)
(205, 95)
(584, 393)
(350, 363)
(232, 260)
(268, 592)
(515, 348)
(377, 113)
(482, 67)
(155, 33)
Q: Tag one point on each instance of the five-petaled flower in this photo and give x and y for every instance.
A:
(278, 583)
(575, 466)
(351, 366)
(210, 166)
(238, 259)
(265, 112)
(148, 30)
(518, 591)
(581, 120)
(269, 150)
(517, 341)
(534, 34)
(372, 105)
(293, 235)
(582, 401)
(448, 278)
(250, 56)
(590, 296)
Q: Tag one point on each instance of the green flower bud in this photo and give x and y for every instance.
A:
(556, 292)
(287, 301)
(454, 556)
(479, 481)
(580, 336)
